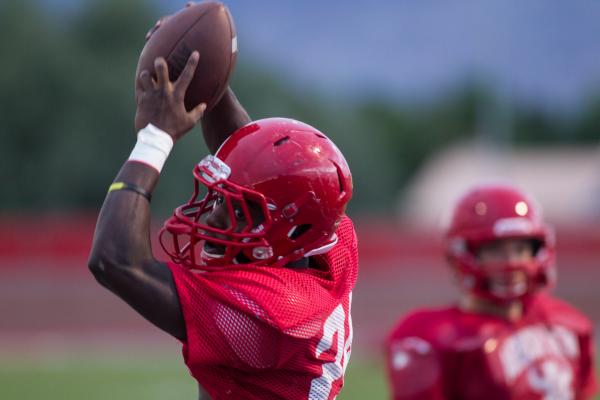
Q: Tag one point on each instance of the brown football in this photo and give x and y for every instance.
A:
(206, 27)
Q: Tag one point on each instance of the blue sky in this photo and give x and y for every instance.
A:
(545, 52)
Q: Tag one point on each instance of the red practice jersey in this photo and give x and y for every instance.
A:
(451, 354)
(271, 333)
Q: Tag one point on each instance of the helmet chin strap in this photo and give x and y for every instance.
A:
(510, 310)
(299, 256)
(323, 249)
(509, 291)
(499, 293)
(240, 258)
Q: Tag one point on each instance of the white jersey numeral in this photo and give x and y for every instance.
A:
(320, 387)
(553, 380)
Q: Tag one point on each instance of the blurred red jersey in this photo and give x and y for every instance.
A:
(451, 354)
(271, 333)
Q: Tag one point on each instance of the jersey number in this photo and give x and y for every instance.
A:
(320, 387)
(552, 379)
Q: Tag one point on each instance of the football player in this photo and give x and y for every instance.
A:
(507, 337)
(263, 258)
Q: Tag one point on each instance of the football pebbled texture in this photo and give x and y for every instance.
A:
(206, 27)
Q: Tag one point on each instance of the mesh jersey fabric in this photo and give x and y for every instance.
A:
(459, 355)
(271, 333)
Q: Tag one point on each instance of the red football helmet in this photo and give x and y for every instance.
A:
(491, 212)
(292, 173)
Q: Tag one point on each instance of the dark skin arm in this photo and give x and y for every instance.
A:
(226, 117)
(121, 258)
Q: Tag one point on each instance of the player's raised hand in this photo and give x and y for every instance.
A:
(160, 102)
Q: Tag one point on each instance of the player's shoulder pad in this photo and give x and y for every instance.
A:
(560, 312)
(429, 324)
(413, 361)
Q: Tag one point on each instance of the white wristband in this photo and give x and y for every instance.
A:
(152, 147)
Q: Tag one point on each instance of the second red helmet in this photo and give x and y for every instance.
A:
(487, 213)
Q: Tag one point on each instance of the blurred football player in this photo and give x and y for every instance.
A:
(263, 257)
(507, 338)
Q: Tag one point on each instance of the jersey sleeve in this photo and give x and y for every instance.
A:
(224, 325)
(588, 385)
(414, 365)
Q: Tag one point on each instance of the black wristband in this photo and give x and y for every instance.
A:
(129, 186)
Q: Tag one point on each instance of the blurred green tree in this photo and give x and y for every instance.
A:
(67, 107)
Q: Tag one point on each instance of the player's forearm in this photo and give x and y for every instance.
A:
(122, 237)
(224, 119)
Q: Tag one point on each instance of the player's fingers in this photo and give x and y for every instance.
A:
(145, 80)
(188, 72)
(197, 112)
(162, 72)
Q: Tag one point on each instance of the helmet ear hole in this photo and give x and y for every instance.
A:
(298, 231)
(536, 246)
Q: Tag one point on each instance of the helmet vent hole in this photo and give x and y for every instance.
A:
(281, 141)
(320, 136)
(298, 231)
(340, 178)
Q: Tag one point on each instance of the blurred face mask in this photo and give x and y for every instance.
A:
(506, 265)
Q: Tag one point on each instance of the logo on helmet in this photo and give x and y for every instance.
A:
(512, 226)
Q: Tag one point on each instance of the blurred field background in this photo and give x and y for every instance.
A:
(423, 98)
